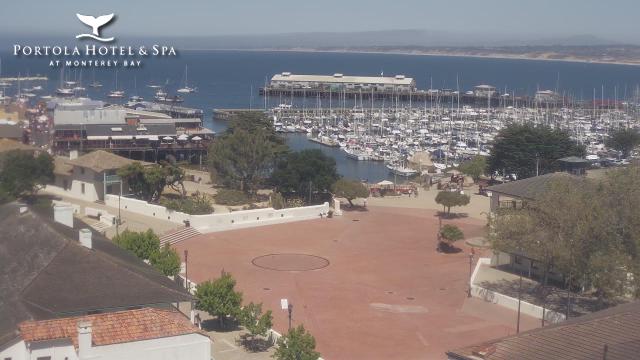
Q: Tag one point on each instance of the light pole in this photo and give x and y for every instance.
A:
(470, 272)
(186, 274)
(290, 310)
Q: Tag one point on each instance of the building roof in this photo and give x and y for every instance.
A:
(9, 145)
(45, 273)
(100, 160)
(342, 79)
(11, 131)
(73, 116)
(529, 188)
(585, 337)
(574, 160)
(112, 328)
(62, 166)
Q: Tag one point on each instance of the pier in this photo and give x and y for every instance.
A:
(434, 96)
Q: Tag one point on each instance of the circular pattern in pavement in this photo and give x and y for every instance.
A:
(290, 262)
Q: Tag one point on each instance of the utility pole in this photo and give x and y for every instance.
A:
(470, 272)
(290, 310)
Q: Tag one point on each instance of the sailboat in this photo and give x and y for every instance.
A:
(63, 90)
(117, 94)
(186, 89)
(3, 84)
(79, 87)
(95, 84)
(135, 98)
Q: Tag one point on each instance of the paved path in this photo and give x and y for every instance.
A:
(386, 294)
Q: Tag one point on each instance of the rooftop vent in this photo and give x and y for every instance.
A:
(85, 238)
(63, 214)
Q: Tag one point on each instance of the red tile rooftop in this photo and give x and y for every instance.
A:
(112, 328)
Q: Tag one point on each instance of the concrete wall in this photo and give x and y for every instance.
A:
(509, 302)
(93, 185)
(220, 222)
(183, 347)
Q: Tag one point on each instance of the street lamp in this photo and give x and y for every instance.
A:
(186, 277)
(470, 272)
(290, 310)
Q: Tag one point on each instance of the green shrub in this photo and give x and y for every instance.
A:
(277, 201)
(231, 197)
(198, 204)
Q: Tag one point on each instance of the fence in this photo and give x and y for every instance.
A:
(219, 222)
(509, 302)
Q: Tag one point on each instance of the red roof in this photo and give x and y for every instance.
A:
(112, 328)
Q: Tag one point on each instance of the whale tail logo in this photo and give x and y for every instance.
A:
(95, 23)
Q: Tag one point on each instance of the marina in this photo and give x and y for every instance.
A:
(369, 126)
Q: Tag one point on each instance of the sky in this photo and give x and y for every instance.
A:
(609, 19)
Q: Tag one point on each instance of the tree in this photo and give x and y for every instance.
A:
(22, 173)
(148, 182)
(451, 233)
(578, 228)
(450, 199)
(142, 244)
(242, 159)
(350, 190)
(475, 167)
(257, 323)
(305, 172)
(297, 344)
(219, 298)
(624, 140)
(167, 261)
(525, 150)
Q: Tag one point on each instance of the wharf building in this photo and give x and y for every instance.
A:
(135, 133)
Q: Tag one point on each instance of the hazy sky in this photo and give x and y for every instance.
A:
(612, 19)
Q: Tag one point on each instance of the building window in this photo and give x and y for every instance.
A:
(82, 188)
(65, 184)
(82, 171)
(518, 260)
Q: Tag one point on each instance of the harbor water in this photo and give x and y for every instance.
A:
(231, 79)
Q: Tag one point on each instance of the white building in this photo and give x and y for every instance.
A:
(287, 80)
(146, 333)
(84, 177)
(484, 91)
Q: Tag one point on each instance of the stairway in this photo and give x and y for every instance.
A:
(178, 235)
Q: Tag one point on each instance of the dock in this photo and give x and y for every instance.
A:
(25, 78)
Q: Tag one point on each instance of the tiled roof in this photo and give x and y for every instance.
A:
(101, 160)
(112, 328)
(529, 188)
(45, 273)
(62, 166)
(616, 329)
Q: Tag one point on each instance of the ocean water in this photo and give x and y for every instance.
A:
(231, 79)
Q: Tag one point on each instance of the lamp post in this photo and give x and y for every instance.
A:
(290, 310)
(470, 272)
(186, 274)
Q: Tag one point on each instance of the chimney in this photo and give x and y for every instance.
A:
(84, 339)
(63, 214)
(85, 238)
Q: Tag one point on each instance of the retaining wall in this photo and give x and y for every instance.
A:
(509, 302)
(220, 222)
